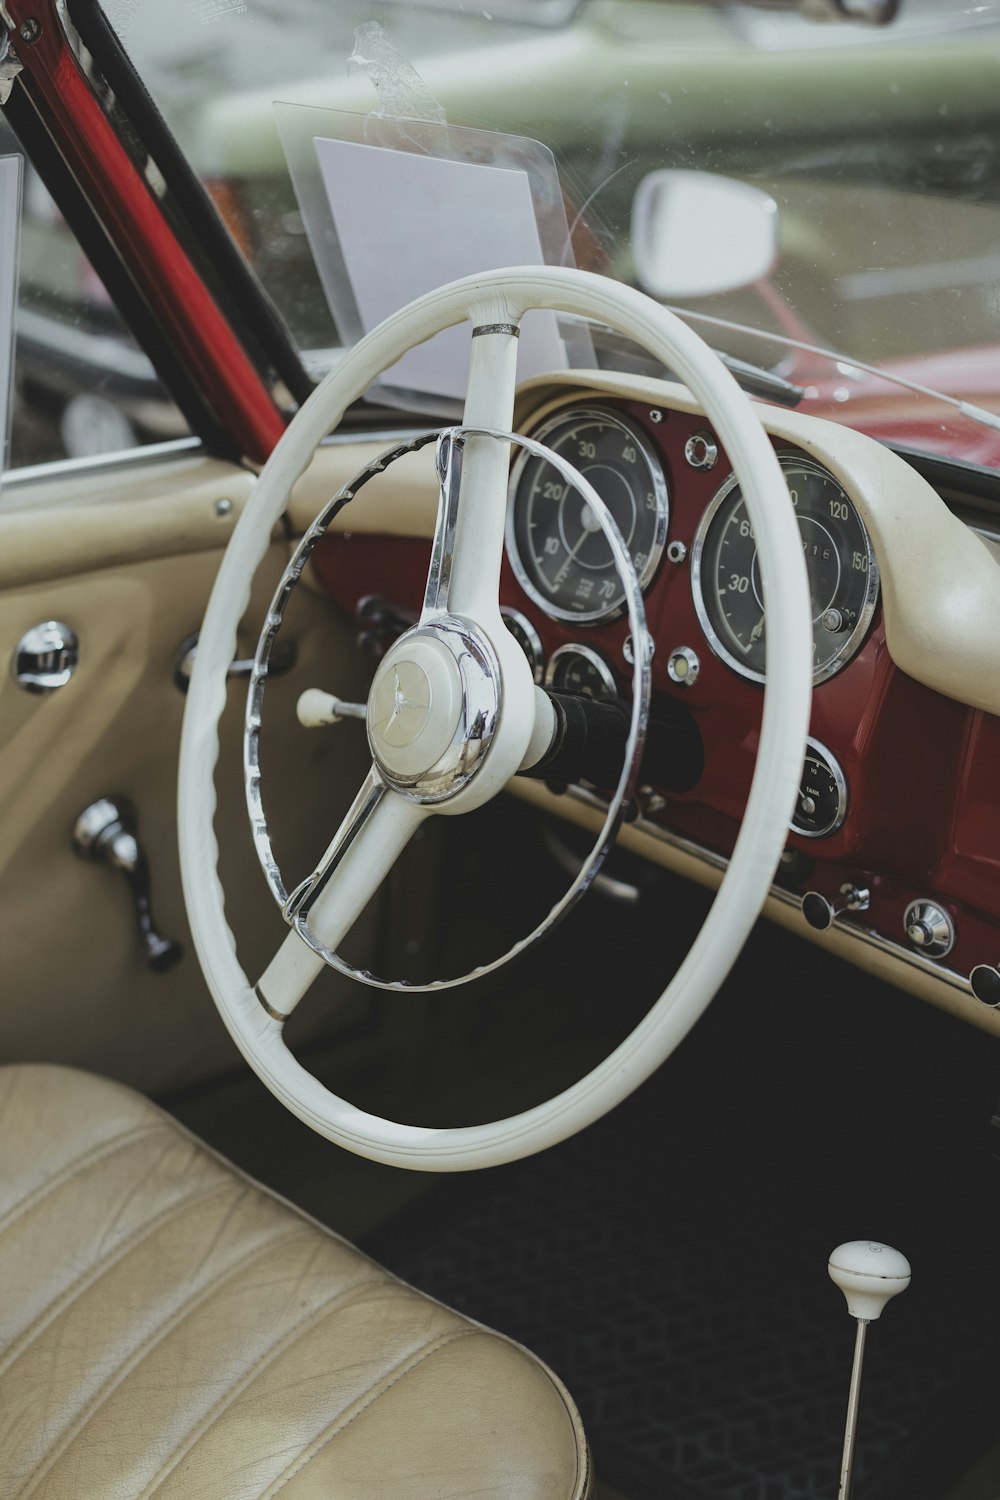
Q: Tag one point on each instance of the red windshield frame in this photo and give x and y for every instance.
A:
(133, 219)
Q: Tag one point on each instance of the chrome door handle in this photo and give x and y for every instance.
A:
(46, 657)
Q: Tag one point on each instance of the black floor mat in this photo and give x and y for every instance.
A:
(670, 1263)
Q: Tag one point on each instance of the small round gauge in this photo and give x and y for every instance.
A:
(527, 638)
(843, 576)
(821, 805)
(558, 550)
(577, 669)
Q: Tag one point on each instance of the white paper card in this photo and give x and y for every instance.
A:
(10, 200)
(408, 223)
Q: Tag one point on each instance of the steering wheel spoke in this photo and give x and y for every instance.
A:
(325, 906)
(464, 576)
(448, 463)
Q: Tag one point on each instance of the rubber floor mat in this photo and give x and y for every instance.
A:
(670, 1262)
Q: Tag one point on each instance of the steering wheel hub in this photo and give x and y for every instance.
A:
(433, 709)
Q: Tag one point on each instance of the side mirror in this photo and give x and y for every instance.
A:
(695, 234)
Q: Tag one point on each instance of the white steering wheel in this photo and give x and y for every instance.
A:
(453, 712)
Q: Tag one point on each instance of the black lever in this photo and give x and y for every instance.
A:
(107, 830)
(591, 735)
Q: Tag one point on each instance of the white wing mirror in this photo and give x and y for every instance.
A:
(695, 234)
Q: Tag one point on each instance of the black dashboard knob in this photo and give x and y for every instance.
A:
(985, 981)
(817, 911)
(821, 913)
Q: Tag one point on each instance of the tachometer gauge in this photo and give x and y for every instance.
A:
(843, 577)
(557, 548)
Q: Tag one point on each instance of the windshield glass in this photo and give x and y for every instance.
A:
(875, 146)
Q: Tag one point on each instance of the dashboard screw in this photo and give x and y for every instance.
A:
(656, 415)
(223, 507)
(29, 30)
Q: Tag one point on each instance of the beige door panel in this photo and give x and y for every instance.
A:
(73, 984)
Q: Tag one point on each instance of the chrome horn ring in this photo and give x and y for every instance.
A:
(295, 905)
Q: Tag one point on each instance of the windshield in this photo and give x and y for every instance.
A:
(877, 147)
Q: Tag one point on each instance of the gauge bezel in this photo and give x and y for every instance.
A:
(537, 659)
(662, 513)
(840, 782)
(850, 646)
(594, 658)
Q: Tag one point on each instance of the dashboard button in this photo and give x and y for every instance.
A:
(929, 928)
(683, 666)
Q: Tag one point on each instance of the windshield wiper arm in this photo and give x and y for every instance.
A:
(761, 382)
(845, 362)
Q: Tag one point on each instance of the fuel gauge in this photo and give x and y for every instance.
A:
(821, 805)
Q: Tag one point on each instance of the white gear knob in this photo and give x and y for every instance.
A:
(868, 1274)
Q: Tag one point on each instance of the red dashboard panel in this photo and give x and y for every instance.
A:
(923, 818)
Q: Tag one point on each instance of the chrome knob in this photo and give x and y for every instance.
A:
(701, 451)
(106, 830)
(821, 913)
(46, 657)
(929, 928)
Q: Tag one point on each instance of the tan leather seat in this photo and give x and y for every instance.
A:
(169, 1328)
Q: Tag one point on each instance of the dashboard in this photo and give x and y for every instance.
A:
(893, 851)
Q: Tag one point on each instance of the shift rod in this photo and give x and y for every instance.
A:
(868, 1274)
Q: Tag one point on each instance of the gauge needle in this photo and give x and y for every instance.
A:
(590, 525)
(756, 632)
(557, 580)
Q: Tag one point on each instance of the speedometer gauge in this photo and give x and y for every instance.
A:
(557, 548)
(843, 577)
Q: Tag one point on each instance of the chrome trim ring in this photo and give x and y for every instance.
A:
(701, 451)
(512, 329)
(295, 905)
(840, 782)
(536, 651)
(662, 513)
(852, 643)
(942, 936)
(592, 658)
(477, 673)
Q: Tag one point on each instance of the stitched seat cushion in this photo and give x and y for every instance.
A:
(169, 1328)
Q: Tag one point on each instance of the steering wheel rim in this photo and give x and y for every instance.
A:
(496, 302)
